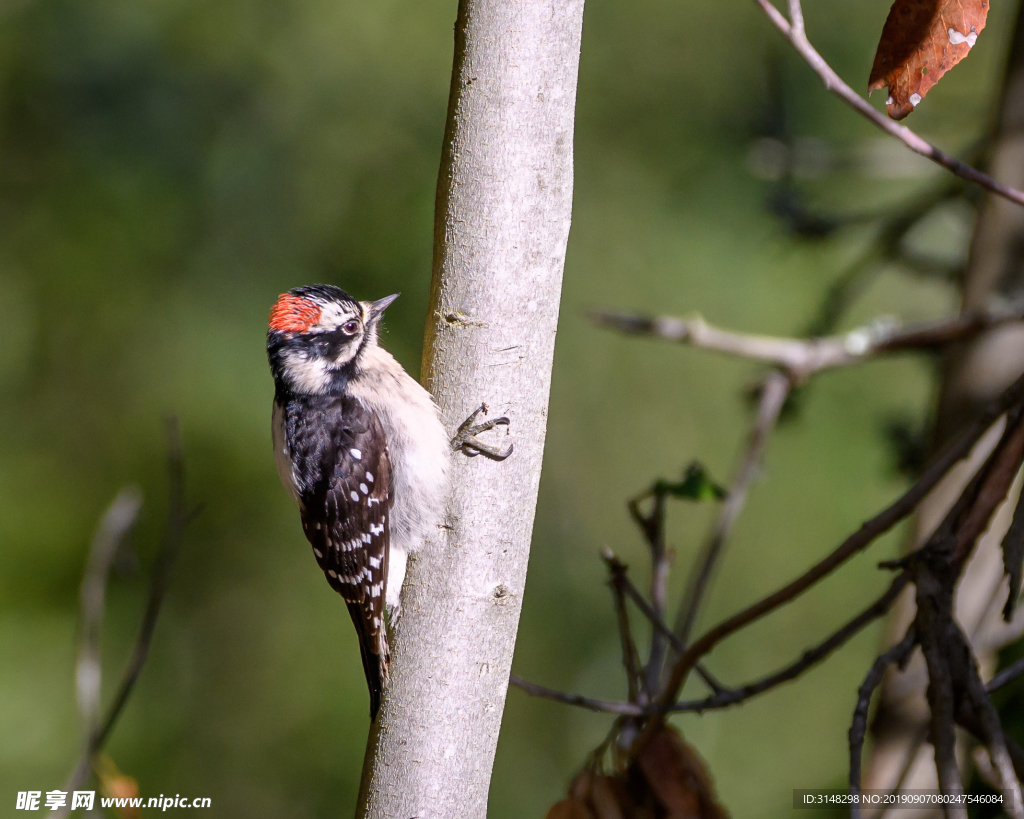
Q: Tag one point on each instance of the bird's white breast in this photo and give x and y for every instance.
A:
(417, 444)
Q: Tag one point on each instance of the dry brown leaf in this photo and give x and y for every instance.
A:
(579, 788)
(667, 780)
(604, 800)
(569, 809)
(677, 777)
(921, 41)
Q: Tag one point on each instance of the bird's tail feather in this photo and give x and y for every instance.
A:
(373, 648)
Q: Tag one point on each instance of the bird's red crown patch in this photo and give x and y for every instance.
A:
(294, 314)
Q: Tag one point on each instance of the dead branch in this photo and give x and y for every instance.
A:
(629, 709)
(954, 686)
(178, 518)
(951, 542)
(633, 593)
(774, 390)
(956, 694)
(898, 654)
(994, 739)
(117, 522)
(802, 358)
(855, 543)
(808, 659)
(726, 697)
(1005, 676)
(630, 659)
(659, 578)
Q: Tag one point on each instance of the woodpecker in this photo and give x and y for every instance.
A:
(361, 449)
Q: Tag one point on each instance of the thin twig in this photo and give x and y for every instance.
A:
(844, 290)
(887, 245)
(633, 593)
(710, 680)
(941, 704)
(1005, 676)
(178, 518)
(630, 659)
(994, 481)
(727, 697)
(921, 735)
(995, 741)
(773, 395)
(855, 543)
(833, 83)
(808, 659)
(967, 719)
(802, 358)
(659, 581)
(116, 524)
(629, 709)
(858, 728)
(955, 691)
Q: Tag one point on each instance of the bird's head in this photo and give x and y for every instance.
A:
(318, 334)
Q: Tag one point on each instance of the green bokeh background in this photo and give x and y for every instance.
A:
(167, 167)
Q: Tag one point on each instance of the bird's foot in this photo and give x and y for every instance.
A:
(465, 438)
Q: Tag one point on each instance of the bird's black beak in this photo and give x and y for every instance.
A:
(378, 307)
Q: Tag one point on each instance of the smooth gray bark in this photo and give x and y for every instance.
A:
(504, 204)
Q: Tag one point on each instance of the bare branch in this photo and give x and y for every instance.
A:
(629, 709)
(630, 659)
(888, 245)
(855, 543)
(1005, 676)
(808, 659)
(952, 668)
(955, 692)
(773, 395)
(652, 525)
(725, 697)
(802, 358)
(177, 520)
(994, 740)
(633, 593)
(659, 580)
(897, 654)
(833, 83)
(994, 481)
(796, 16)
(117, 522)
(710, 680)
(941, 703)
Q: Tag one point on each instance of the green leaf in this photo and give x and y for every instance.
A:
(696, 485)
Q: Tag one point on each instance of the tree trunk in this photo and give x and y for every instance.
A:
(504, 202)
(973, 374)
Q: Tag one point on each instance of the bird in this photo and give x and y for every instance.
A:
(360, 447)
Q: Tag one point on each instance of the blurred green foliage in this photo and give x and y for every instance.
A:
(167, 167)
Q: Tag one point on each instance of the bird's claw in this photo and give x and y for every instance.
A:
(465, 438)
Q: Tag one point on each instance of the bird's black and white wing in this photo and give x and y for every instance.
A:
(345, 517)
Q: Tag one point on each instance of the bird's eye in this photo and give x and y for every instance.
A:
(349, 327)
